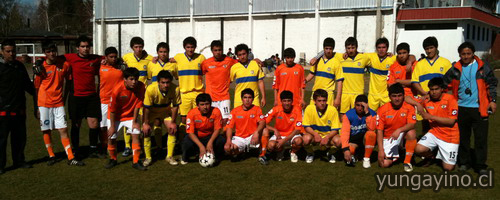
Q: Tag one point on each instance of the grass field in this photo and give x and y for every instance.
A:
(230, 180)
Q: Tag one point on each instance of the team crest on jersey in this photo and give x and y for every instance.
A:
(252, 116)
(296, 73)
(403, 114)
(225, 66)
(197, 121)
(329, 122)
(441, 69)
(328, 69)
(211, 67)
(454, 112)
(144, 67)
(292, 119)
(359, 63)
(387, 66)
(252, 72)
(443, 106)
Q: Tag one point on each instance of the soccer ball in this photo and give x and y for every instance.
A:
(207, 160)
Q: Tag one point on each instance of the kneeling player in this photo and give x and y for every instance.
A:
(288, 124)
(203, 125)
(322, 125)
(442, 110)
(358, 123)
(249, 122)
(396, 120)
(126, 100)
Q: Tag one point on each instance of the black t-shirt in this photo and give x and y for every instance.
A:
(14, 81)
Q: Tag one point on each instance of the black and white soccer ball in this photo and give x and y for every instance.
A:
(207, 160)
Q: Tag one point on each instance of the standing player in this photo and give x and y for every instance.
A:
(328, 73)
(396, 120)
(247, 74)
(287, 128)
(161, 104)
(249, 122)
(442, 111)
(217, 71)
(400, 71)
(163, 63)
(203, 128)
(322, 125)
(289, 76)
(126, 100)
(49, 87)
(359, 124)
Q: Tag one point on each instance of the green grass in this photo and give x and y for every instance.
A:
(230, 180)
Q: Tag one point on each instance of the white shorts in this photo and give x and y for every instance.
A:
(289, 143)
(224, 106)
(243, 143)
(104, 115)
(391, 147)
(52, 118)
(448, 152)
(127, 125)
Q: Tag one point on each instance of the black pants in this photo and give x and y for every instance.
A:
(190, 148)
(469, 119)
(16, 126)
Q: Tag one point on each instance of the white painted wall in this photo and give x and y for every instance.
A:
(205, 32)
(178, 30)
(301, 36)
(154, 33)
(129, 30)
(235, 32)
(267, 37)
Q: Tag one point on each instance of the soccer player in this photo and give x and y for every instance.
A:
(126, 100)
(110, 75)
(203, 127)
(359, 124)
(163, 63)
(287, 127)
(249, 123)
(247, 74)
(161, 105)
(49, 87)
(441, 110)
(322, 124)
(328, 73)
(217, 71)
(289, 76)
(400, 71)
(396, 120)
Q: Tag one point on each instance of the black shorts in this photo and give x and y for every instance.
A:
(84, 107)
(357, 139)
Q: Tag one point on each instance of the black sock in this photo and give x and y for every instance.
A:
(75, 137)
(93, 137)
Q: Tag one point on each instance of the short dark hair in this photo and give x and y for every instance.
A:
(110, 50)
(189, 40)
(83, 38)
(286, 95)
(430, 41)
(289, 53)
(49, 46)
(466, 45)
(162, 45)
(131, 71)
(351, 41)
(403, 46)
(247, 91)
(8, 42)
(320, 93)
(439, 81)
(240, 47)
(203, 97)
(396, 88)
(136, 40)
(382, 40)
(361, 98)
(164, 74)
(329, 42)
(216, 43)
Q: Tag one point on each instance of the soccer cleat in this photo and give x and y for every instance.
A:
(147, 162)
(408, 167)
(127, 152)
(309, 158)
(366, 163)
(332, 159)
(280, 156)
(263, 160)
(139, 167)
(75, 162)
(111, 164)
(184, 162)
(52, 161)
(171, 161)
(293, 157)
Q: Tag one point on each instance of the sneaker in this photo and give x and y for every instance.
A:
(127, 152)
(353, 159)
(111, 164)
(366, 163)
(280, 156)
(172, 161)
(147, 162)
(184, 162)
(76, 162)
(52, 161)
(463, 168)
(293, 157)
(408, 167)
(263, 160)
(309, 158)
(332, 159)
(139, 167)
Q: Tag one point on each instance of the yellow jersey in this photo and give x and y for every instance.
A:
(189, 70)
(323, 124)
(246, 76)
(141, 64)
(159, 102)
(378, 73)
(354, 70)
(425, 70)
(155, 68)
(327, 72)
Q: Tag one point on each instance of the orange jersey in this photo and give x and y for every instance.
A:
(217, 77)
(50, 84)
(398, 72)
(245, 121)
(109, 77)
(447, 107)
(123, 102)
(291, 79)
(201, 125)
(389, 119)
(286, 123)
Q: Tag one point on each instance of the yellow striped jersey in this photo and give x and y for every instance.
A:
(155, 68)
(189, 70)
(159, 102)
(378, 73)
(425, 70)
(354, 70)
(322, 124)
(140, 64)
(327, 72)
(246, 76)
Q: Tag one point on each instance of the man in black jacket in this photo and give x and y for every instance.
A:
(14, 81)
